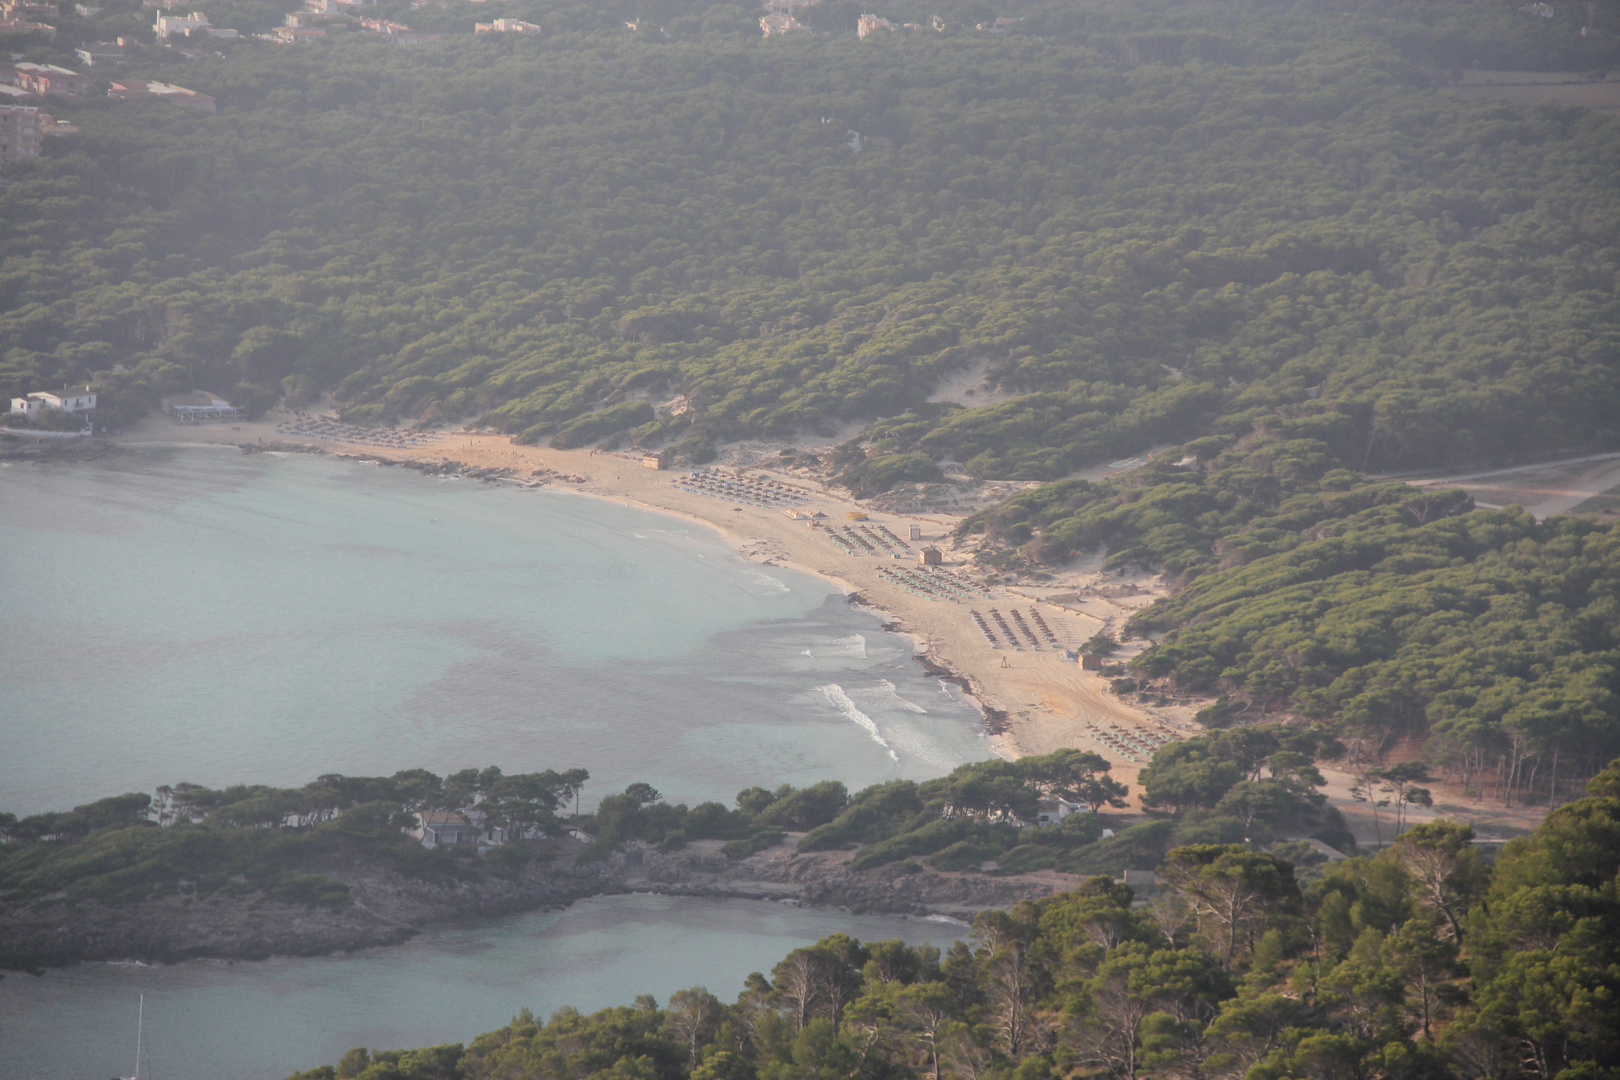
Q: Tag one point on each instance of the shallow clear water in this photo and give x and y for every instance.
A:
(198, 615)
(203, 616)
(262, 1021)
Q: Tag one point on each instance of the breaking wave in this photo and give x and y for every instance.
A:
(854, 645)
(839, 700)
(773, 585)
(885, 696)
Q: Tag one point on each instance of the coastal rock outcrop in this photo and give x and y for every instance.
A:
(824, 879)
(389, 908)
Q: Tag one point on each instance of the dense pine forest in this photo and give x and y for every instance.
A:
(1397, 614)
(1418, 963)
(1138, 221)
(1263, 235)
(281, 843)
(1268, 228)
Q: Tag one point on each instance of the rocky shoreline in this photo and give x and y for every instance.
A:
(445, 466)
(18, 448)
(390, 908)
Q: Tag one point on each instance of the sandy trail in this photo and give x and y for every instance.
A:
(1544, 489)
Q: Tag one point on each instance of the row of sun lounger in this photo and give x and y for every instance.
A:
(1023, 628)
(1006, 631)
(961, 586)
(934, 586)
(1013, 637)
(334, 431)
(984, 628)
(1132, 741)
(747, 491)
(863, 539)
(880, 537)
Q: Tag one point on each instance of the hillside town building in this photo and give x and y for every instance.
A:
(776, 25)
(131, 91)
(28, 9)
(187, 25)
(21, 27)
(871, 24)
(100, 52)
(44, 79)
(506, 26)
(20, 130)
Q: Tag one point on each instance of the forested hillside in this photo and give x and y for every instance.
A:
(1140, 222)
(250, 839)
(1419, 963)
(1391, 612)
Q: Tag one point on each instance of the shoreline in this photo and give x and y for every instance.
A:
(389, 909)
(1031, 701)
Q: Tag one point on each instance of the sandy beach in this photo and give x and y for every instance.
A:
(1036, 699)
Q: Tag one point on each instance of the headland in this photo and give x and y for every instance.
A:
(389, 908)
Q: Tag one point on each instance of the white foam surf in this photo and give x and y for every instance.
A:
(841, 701)
(852, 646)
(772, 585)
(906, 737)
(885, 696)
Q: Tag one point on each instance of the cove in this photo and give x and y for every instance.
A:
(265, 1020)
(204, 616)
(193, 614)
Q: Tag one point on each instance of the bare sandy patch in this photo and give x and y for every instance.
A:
(1543, 489)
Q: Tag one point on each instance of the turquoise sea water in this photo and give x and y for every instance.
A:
(198, 615)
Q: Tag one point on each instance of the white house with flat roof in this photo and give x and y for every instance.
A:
(78, 399)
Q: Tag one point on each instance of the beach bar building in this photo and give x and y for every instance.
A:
(930, 556)
(199, 407)
(655, 459)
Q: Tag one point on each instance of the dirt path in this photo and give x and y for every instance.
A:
(1543, 489)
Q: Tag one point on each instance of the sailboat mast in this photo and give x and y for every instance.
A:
(140, 1032)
